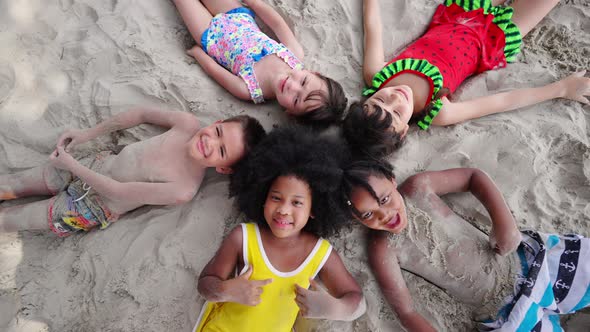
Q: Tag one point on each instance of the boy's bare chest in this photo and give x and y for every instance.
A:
(452, 254)
(162, 158)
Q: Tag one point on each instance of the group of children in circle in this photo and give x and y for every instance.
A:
(298, 186)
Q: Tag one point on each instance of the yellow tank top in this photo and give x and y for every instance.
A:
(277, 310)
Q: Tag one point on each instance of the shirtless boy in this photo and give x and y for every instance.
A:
(539, 277)
(166, 169)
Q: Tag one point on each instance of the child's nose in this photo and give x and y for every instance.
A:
(284, 209)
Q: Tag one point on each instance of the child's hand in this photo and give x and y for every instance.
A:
(243, 290)
(69, 139)
(576, 87)
(505, 241)
(314, 302)
(59, 158)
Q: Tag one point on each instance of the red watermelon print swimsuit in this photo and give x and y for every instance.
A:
(464, 38)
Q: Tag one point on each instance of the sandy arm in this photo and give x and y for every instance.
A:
(574, 87)
(344, 299)
(215, 283)
(374, 58)
(385, 266)
(278, 25)
(130, 193)
(505, 236)
(124, 120)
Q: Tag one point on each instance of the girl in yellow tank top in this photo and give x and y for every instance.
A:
(294, 200)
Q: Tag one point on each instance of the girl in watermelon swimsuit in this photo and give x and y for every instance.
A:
(464, 38)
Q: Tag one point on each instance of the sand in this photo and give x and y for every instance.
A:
(73, 63)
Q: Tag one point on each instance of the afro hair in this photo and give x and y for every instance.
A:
(300, 152)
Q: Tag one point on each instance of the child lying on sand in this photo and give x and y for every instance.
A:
(165, 169)
(540, 277)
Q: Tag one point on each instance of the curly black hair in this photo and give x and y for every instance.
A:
(297, 151)
(357, 174)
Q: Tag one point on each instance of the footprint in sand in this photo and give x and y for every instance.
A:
(7, 81)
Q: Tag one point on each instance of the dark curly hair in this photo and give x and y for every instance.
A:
(369, 133)
(331, 109)
(357, 174)
(294, 151)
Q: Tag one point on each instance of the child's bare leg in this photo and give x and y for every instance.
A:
(220, 6)
(30, 216)
(42, 180)
(528, 13)
(195, 16)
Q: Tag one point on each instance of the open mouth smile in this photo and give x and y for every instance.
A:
(282, 223)
(393, 222)
(201, 146)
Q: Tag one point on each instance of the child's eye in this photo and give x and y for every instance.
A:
(296, 101)
(221, 153)
(217, 131)
(297, 203)
(367, 215)
(304, 81)
(275, 198)
(384, 200)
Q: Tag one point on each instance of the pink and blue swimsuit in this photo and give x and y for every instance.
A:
(235, 41)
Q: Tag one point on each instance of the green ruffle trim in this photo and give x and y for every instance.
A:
(419, 65)
(427, 120)
(502, 18)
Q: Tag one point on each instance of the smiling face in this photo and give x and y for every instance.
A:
(300, 91)
(288, 206)
(219, 145)
(397, 101)
(388, 213)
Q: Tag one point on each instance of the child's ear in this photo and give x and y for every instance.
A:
(394, 182)
(404, 131)
(224, 170)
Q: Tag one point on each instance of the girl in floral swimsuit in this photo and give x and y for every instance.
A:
(251, 65)
(463, 38)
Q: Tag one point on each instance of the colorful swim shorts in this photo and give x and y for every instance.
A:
(78, 207)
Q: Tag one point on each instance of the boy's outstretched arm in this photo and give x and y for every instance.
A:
(574, 87)
(374, 57)
(277, 24)
(215, 284)
(505, 236)
(133, 193)
(385, 266)
(124, 120)
(344, 299)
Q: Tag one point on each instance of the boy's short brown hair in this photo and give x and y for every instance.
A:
(331, 109)
(253, 131)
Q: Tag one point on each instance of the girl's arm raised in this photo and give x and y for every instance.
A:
(343, 302)
(277, 24)
(574, 87)
(232, 83)
(214, 284)
(505, 236)
(374, 58)
(386, 269)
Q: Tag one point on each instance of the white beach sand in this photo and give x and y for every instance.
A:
(66, 63)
